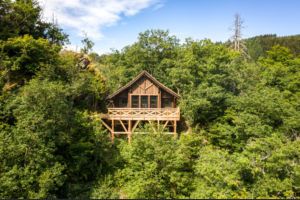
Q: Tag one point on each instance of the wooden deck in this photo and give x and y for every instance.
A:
(161, 114)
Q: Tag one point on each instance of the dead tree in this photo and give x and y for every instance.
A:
(237, 41)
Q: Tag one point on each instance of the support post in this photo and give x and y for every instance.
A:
(129, 131)
(175, 127)
(112, 131)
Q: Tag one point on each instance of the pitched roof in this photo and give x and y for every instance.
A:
(144, 73)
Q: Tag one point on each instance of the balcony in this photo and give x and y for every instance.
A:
(162, 114)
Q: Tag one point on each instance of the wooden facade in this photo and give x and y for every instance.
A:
(144, 99)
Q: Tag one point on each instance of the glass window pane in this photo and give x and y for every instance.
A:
(134, 101)
(153, 101)
(166, 102)
(144, 101)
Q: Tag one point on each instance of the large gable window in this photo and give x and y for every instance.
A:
(166, 102)
(134, 101)
(153, 101)
(144, 101)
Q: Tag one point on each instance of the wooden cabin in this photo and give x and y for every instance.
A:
(144, 99)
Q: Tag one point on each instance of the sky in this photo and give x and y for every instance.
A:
(113, 24)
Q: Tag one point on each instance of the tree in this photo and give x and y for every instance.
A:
(259, 45)
(238, 42)
(56, 146)
(281, 69)
(275, 172)
(154, 166)
(155, 51)
(217, 176)
(19, 18)
(87, 45)
(22, 57)
(204, 96)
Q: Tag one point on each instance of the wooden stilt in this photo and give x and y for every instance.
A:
(129, 131)
(175, 127)
(113, 131)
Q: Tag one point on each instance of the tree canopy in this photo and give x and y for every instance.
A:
(239, 129)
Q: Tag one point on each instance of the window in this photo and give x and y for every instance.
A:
(134, 101)
(166, 102)
(153, 101)
(144, 101)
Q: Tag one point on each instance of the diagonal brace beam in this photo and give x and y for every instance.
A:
(107, 126)
(124, 127)
(135, 125)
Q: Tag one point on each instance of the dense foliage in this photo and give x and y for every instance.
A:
(243, 117)
(258, 46)
(239, 129)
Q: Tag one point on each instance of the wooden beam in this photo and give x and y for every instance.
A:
(129, 100)
(135, 125)
(175, 127)
(125, 129)
(166, 133)
(159, 98)
(118, 133)
(149, 86)
(166, 123)
(113, 130)
(129, 131)
(150, 122)
(106, 125)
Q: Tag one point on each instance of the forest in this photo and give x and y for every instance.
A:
(239, 130)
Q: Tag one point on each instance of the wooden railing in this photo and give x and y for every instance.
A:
(143, 114)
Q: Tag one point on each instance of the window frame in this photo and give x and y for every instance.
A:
(150, 101)
(138, 101)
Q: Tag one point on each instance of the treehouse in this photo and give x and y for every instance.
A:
(142, 100)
